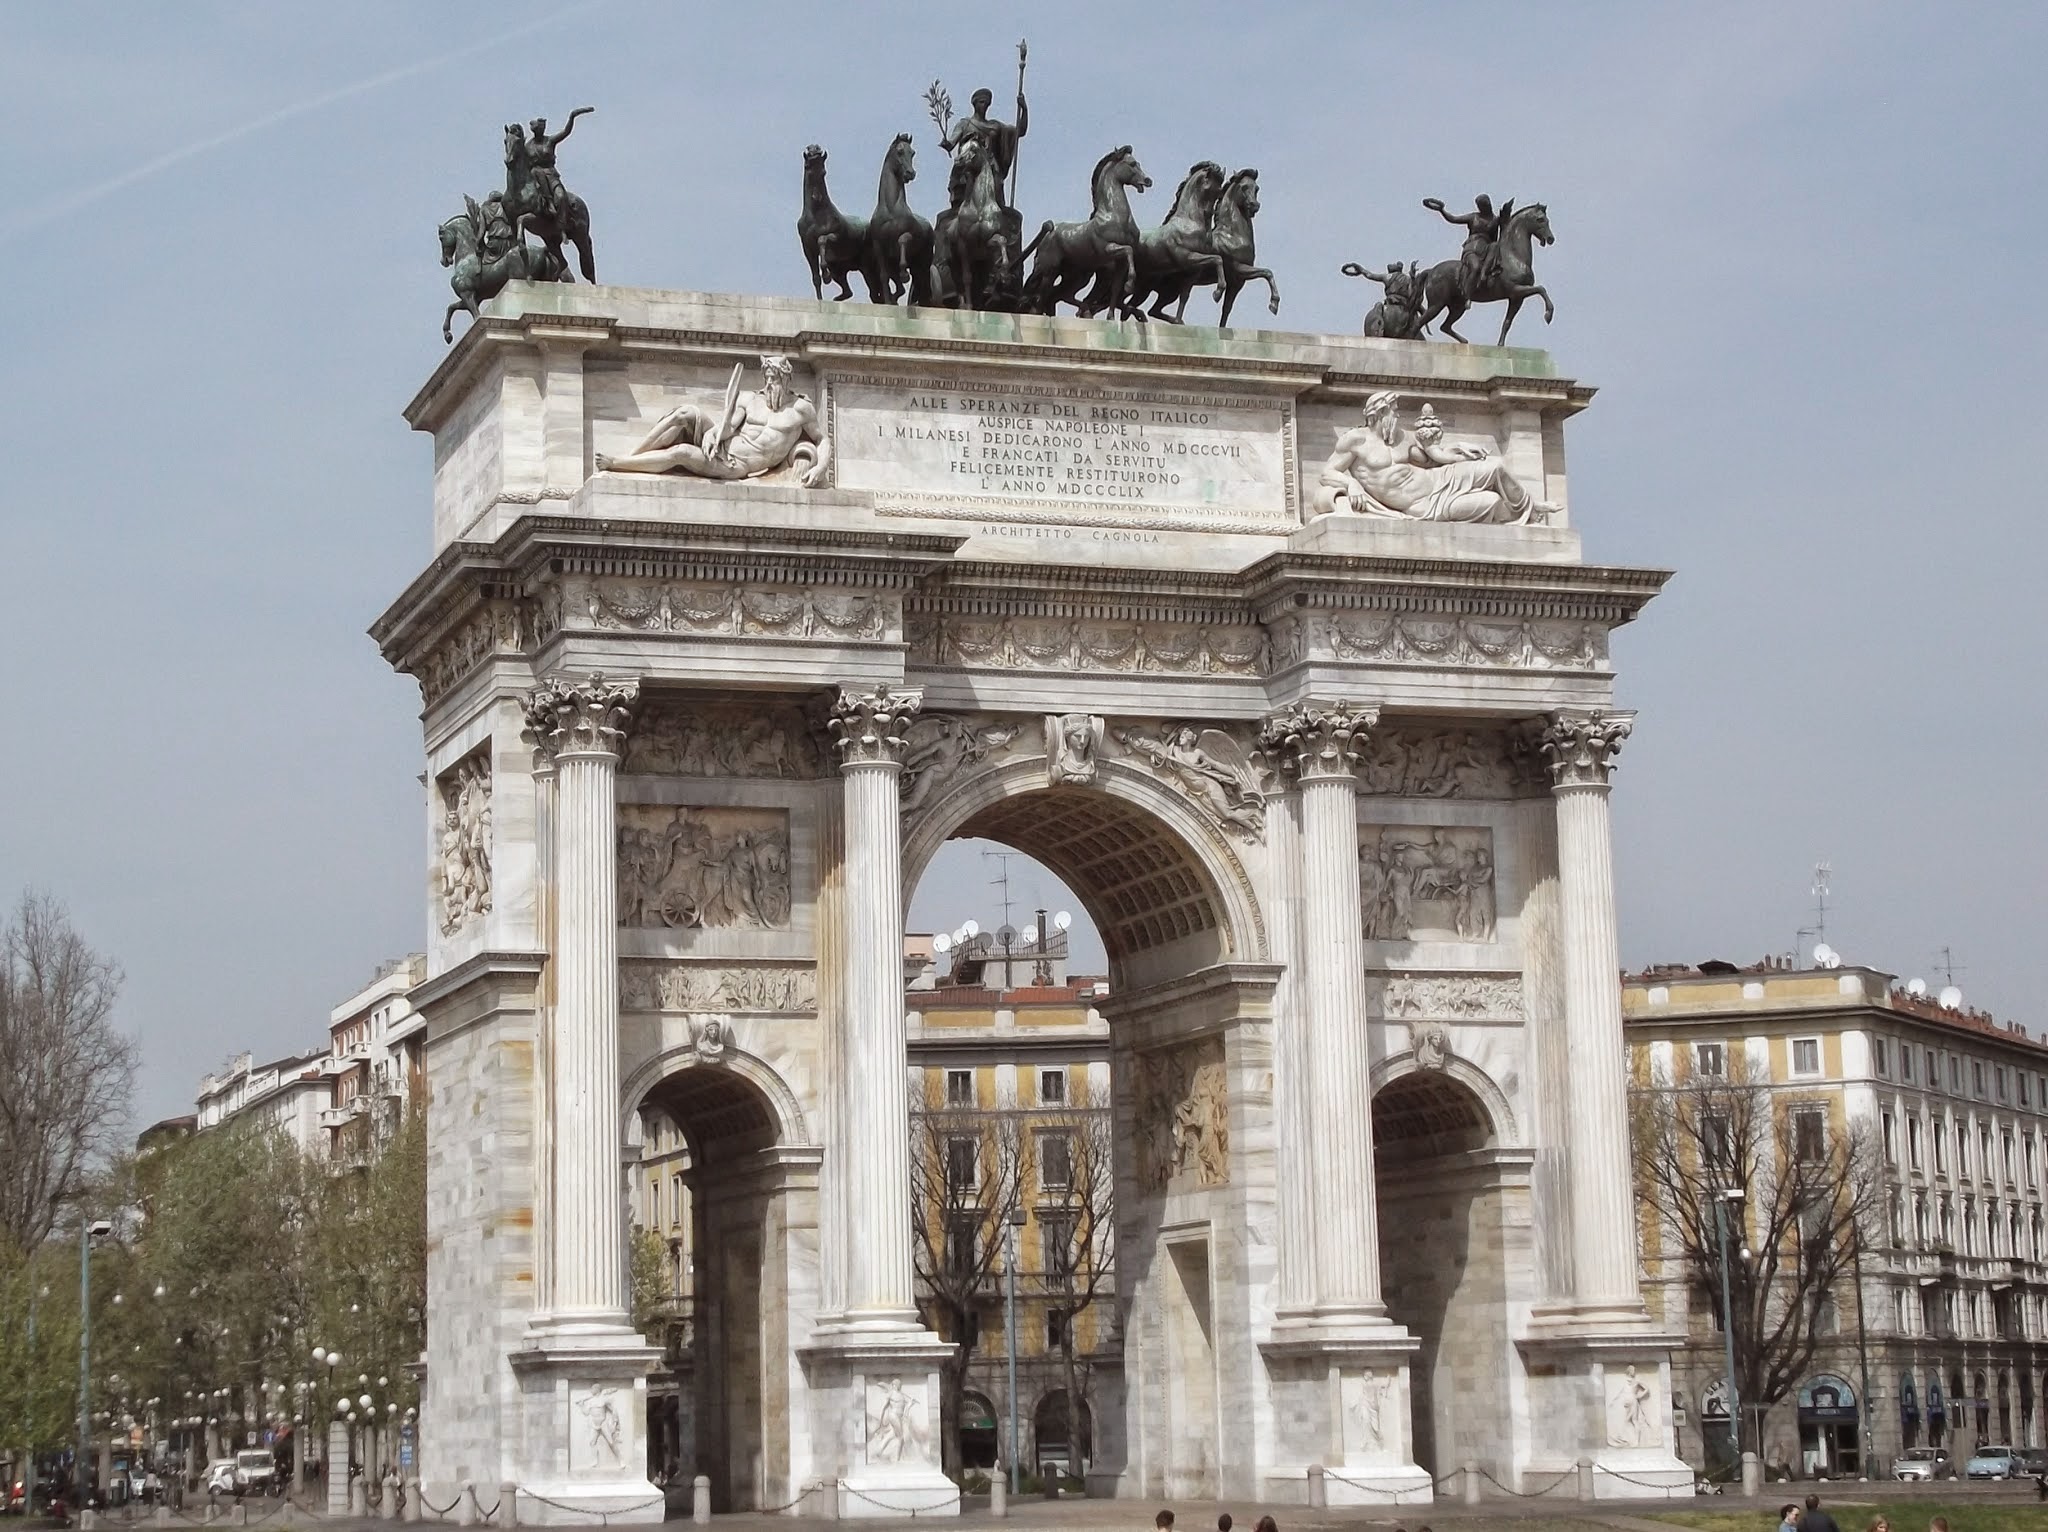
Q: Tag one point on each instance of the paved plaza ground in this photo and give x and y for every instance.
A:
(1908, 1507)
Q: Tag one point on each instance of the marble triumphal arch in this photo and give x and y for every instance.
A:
(1279, 649)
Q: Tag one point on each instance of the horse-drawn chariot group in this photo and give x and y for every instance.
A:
(975, 255)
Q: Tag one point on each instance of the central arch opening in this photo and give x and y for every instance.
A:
(1033, 1121)
(1443, 1262)
(710, 1282)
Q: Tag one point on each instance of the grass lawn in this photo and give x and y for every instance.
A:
(1854, 1513)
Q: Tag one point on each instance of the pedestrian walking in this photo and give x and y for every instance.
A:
(1815, 1519)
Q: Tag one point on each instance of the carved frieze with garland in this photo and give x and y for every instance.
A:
(726, 609)
(1434, 638)
(1071, 644)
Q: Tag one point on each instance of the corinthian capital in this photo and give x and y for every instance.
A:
(565, 717)
(1311, 739)
(1579, 745)
(868, 727)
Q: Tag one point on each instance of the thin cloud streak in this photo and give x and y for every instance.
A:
(78, 201)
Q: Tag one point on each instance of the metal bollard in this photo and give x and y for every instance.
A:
(700, 1500)
(465, 1505)
(412, 1500)
(507, 1513)
(998, 1491)
(1752, 1474)
(387, 1503)
(1318, 1492)
(88, 1521)
(1471, 1485)
(161, 1516)
(1586, 1491)
(239, 1515)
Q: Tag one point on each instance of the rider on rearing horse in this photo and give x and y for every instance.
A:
(540, 155)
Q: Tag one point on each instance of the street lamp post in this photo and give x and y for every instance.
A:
(1010, 1227)
(1721, 1201)
(88, 1230)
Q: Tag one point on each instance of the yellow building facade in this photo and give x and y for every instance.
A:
(1938, 1336)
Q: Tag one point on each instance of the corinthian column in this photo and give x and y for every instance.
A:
(580, 726)
(1579, 746)
(1319, 747)
(874, 1171)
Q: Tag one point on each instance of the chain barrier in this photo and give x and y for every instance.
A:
(1615, 1473)
(438, 1510)
(604, 1518)
(1399, 1494)
(1529, 1494)
(911, 1511)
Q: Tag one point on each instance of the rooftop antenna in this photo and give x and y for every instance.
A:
(1002, 878)
(1823, 878)
(1946, 962)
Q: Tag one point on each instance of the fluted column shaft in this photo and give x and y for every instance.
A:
(875, 1171)
(1320, 746)
(1580, 748)
(582, 726)
(1293, 1072)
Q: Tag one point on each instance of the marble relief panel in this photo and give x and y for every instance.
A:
(1426, 882)
(1183, 1116)
(679, 738)
(700, 868)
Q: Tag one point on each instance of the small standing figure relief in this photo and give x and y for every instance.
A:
(754, 433)
(1367, 1406)
(607, 1432)
(1631, 1413)
(892, 1423)
(1072, 744)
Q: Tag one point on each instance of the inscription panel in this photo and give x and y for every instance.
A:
(1111, 455)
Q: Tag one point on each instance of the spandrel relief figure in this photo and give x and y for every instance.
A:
(1379, 469)
(1073, 742)
(755, 432)
(936, 746)
(703, 868)
(1184, 1117)
(1422, 883)
(1210, 767)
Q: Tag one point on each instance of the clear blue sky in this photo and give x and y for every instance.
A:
(1797, 251)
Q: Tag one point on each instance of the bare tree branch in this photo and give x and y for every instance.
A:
(67, 1072)
(1806, 1188)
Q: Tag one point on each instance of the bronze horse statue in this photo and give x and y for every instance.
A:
(835, 245)
(1177, 254)
(1231, 228)
(1103, 245)
(486, 252)
(528, 198)
(974, 246)
(1509, 279)
(899, 242)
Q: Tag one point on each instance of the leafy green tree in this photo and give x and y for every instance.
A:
(367, 1266)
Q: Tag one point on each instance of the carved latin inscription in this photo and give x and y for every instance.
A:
(705, 867)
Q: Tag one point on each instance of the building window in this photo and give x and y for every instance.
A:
(1056, 1244)
(963, 1165)
(1985, 1164)
(1969, 1227)
(1055, 1162)
(1895, 1217)
(1905, 1063)
(1913, 1143)
(959, 1087)
(1891, 1139)
(1806, 1055)
(1920, 1219)
(1902, 1311)
(2030, 1159)
(2020, 1079)
(2005, 1156)
(1940, 1147)
(1052, 1087)
(1933, 1074)
(1948, 1223)
(1714, 1140)
(1998, 1081)
(1962, 1149)
(1055, 1329)
(1810, 1132)
(1881, 1056)
(1977, 1078)
(1955, 1074)
(961, 1245)
(1710, 1060)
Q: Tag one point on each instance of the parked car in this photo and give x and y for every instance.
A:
(220, 1477)
(255, 1471)
(2031, 1461)
(1992, 1462)
(1923, 1463)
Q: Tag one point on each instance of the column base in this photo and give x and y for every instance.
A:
(1340, 1387)
(580, 1455)
(874, 1400)
(1602, 1392)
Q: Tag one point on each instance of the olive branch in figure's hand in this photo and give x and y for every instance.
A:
(941, 105)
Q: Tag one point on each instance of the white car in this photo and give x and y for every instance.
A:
(220, 1476)
(1923, 1463)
